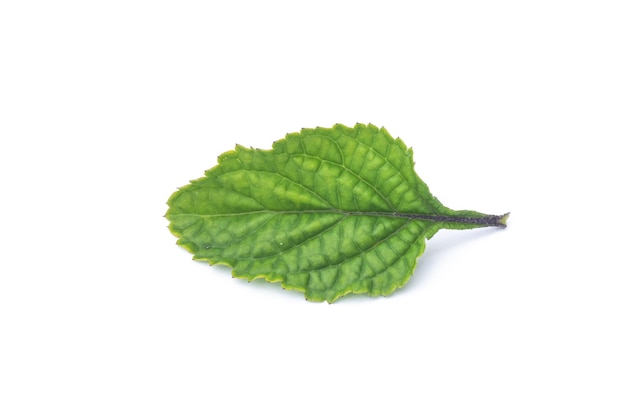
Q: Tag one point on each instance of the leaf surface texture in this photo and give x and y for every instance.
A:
(326, 211)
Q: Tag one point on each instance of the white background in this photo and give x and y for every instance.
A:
(107, 107)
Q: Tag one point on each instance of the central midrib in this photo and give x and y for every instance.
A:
(486, 220)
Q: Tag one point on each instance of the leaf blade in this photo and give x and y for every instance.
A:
(326, 211)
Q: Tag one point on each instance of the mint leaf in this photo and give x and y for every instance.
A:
(326, 211)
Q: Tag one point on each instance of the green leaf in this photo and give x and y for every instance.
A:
(325, 211)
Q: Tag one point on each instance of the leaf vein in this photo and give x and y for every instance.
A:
(355, 174)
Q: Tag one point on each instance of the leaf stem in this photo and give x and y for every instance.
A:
(487, 220)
